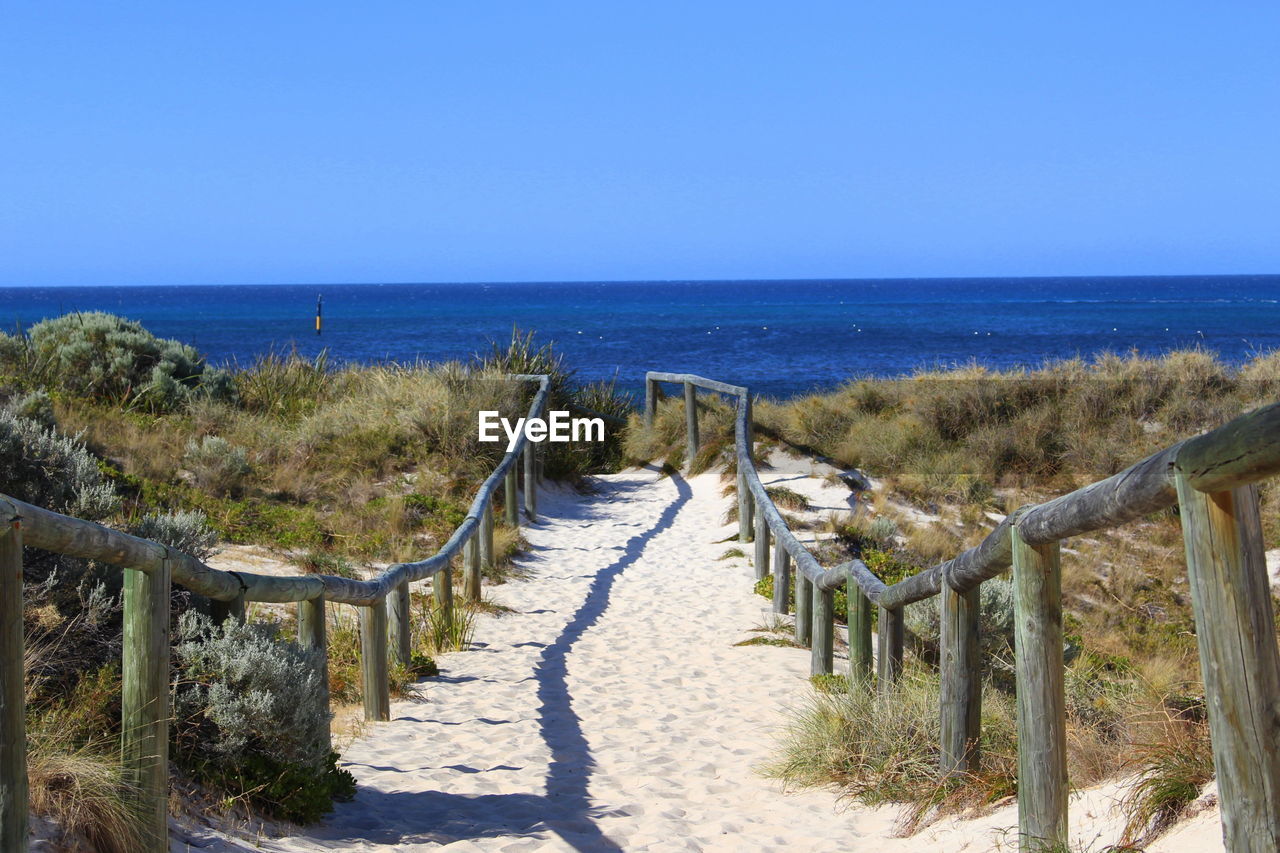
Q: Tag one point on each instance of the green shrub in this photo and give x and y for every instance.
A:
(250, 718)
(104, 357)
(420, 508)
(839, 597)
(888, 565)
(829, 682)
(53, 471)
(216, 465)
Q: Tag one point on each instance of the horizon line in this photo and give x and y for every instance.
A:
(626, 281)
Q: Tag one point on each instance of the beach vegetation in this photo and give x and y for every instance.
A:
(771, 640)
(251, 719)
(785, 498)
(1173, 769)
(447, 629)
(216, 465)
(369, 462)
(881, 750)
(829, 682)
(104, 357)
(72, 682)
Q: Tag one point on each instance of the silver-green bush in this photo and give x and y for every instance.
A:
(255, 688)
(251, 718)
(36, 406)
(188, 531)
(106, 357)
(51, 470)
(995, 620)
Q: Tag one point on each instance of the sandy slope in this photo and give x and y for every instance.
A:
(612, 710)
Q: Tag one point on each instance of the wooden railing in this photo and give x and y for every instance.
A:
(150, 570)
(1210, 478)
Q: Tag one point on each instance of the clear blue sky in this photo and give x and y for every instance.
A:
(186, 142)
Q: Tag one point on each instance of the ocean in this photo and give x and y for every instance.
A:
(781, 338)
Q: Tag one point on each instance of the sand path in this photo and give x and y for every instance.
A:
(612, 710)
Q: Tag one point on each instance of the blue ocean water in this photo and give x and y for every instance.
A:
(779, 337)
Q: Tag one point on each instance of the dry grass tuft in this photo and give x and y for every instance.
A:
(1174, 767)
(878, 753)
(82, 790)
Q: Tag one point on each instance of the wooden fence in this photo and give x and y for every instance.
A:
(1210, 478)
(150, 570)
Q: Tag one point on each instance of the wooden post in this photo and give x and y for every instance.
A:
(513, 509)
(762, 546)
(749, 517)
(471, 587)
(530, 485)
(1042, 715)
(804, 609)
(960, 672)
(781, 578)
(1235, 633)
(442, 582)
(861, 657)
(823, 627)
(312, 634)
(13, 709)
(373, 661)
(747, 511)
(889, 660)
(221, 611)
(398, 618)
(652, 394)
(144, 699)
(691, 421)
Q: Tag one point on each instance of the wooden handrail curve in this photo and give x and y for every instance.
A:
(149, 570)
(75, 537)
(1211, 478)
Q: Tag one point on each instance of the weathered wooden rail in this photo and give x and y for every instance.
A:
(151, 568)
(1210, 478)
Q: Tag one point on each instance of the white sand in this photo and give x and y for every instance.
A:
(613, 710)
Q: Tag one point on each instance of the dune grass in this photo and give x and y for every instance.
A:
(358, 462)
(73, 767)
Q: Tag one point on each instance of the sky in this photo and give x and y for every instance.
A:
(172, 143)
